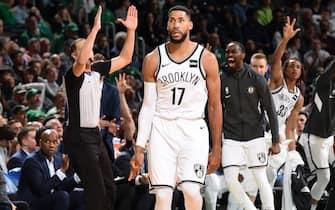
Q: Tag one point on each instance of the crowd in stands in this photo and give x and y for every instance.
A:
(35, 41)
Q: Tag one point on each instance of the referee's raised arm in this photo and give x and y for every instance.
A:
(85, 53)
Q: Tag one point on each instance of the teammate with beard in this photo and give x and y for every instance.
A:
(180, 76)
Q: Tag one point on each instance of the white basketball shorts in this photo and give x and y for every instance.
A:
(178, 152)
(252, 153)
(317, 150)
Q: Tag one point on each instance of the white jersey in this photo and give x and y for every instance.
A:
(181, 86)
(284, 101)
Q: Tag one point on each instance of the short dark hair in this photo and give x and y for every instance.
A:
(239, 44)
(180, 8)
(6, 133)
(304, 113)
(23, 133)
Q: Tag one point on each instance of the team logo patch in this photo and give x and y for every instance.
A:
(199, 170)
(193, 63)
(261, 157)
(227, 92)
(251, 90)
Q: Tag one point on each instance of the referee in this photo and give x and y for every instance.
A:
(83, 87)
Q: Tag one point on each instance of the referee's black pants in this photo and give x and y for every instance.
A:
(89, 159)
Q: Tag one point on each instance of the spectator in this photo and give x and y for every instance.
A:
(293, 48)
(327, 40)
(61, 19)
(6, 135)
(55, 124)
(110, 116)
(264, 12)
(19, 97)
(314, 61)
(32, 31)
(66, 60)
(107, 15)
(51, 86)
(19, 113)
(27, 141)
(7, 14)
(276, 25)
(229, 28)
(21, 12)
(44, 183)
(84, 29)
(302, 118)
(59, 102)
(252, 30)
(5, 202)
(259, 63)
(5, 43)
(33, 50)
(16, 126)
(35, 66)
(43, 26)
(7, 83)
(45, 47)
(34, 103)
(151, 32)
(102, 46)
(121, 11)
(70, 32)
(239, 10)
(215, 43)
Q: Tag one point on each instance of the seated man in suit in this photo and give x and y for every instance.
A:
(43, 182)
(27, 141)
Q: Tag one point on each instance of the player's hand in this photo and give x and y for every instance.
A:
(97, 19)
(288, 31)
(131, 20)
(136, 162)
(275, 149)
(121, 83)
(214, 160)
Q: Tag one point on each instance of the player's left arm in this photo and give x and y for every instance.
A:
(292, 122)
(211, 67)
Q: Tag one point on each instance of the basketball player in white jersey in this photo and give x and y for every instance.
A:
(179, 77)
(286, 96)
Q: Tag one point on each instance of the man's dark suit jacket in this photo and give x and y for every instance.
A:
(35, 181)
(17, 159)
(110, 108)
